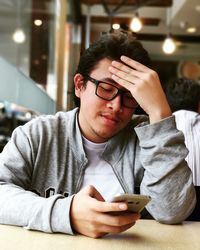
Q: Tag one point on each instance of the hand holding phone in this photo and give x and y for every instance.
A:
(136, 202)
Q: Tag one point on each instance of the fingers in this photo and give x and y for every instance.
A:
(122, 72)
(97, 203)
(131, 73)
(144, 85)
(106, 207)
(122, 67)
(134, 64)
(124, 82)
(89, 214)
(119, 220)
(131, 67)
(102, 230)
(111, 229)
(104, 224)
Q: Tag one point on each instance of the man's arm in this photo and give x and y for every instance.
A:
(167, 177)
(84, 212)
(19, 206)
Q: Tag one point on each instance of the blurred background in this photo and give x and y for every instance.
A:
(41, 41)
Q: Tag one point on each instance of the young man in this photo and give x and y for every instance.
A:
(58, 173)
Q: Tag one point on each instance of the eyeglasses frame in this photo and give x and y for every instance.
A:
(119, 91)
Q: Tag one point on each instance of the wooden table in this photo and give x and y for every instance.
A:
(146, 234)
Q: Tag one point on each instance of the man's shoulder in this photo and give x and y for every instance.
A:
(61, 115)
(60, 119)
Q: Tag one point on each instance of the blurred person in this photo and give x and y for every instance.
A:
(58, 173)
(184, 98)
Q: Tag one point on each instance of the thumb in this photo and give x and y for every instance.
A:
(93, 192)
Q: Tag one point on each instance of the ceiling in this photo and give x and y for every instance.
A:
(159, 17)
(156, 14)
(179, 13)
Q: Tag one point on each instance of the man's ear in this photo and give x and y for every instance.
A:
(79, 84)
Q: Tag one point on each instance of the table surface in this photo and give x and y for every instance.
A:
(146, 234)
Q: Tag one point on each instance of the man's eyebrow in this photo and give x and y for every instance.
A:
(108, 80)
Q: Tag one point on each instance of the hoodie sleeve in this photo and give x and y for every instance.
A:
(18, 205)
(167, 177)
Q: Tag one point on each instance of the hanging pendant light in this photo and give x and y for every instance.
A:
(136, 24)
(19, 34)
(116, 26)
(169, 45)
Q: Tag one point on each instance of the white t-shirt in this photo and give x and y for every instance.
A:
(99, 173)
(189, 123)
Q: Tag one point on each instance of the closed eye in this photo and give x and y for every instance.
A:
(106, 87)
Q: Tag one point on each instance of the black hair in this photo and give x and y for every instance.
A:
(183, 93)
(111, 46)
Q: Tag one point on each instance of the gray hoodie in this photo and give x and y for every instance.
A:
(43, 165)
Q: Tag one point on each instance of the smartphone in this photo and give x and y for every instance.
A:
(136, 202)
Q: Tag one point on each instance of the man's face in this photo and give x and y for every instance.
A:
(100, 119)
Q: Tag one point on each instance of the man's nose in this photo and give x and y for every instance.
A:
(116, 103)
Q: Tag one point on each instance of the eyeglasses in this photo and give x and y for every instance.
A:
(108, 92)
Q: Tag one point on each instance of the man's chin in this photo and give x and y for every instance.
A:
(106, 135)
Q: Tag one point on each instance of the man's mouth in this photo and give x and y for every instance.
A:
(112, 118)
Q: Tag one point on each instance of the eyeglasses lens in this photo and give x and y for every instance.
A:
(106, 91)
(109, 92)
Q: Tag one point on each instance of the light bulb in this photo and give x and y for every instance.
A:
(191, 29)
(19, 36)
(38, 22)
(115, 26)
(136, 24)
(169, 45)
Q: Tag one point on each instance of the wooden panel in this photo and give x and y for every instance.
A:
(160, 3)
(160, 37)
(124, 20)
(39, 44)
